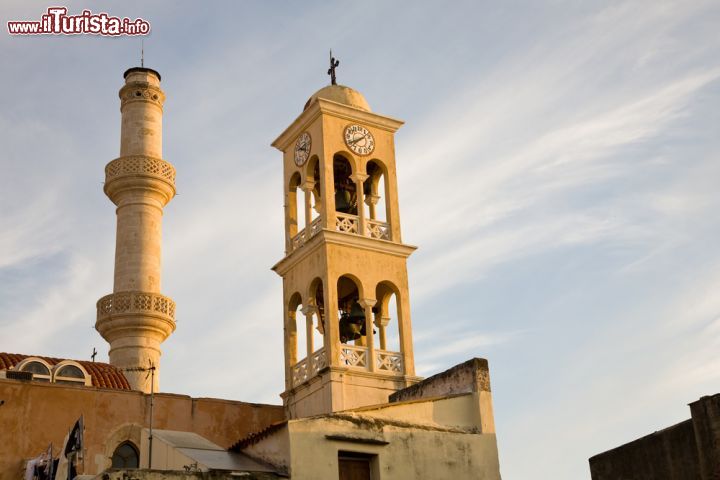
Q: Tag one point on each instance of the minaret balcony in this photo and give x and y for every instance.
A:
(123, 310)
(353, 357)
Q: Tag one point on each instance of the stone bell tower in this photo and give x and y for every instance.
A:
(136, 318)
(345, 284)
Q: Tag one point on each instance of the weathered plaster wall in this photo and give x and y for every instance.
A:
(470, 376)
(441, 438)
(689, 450)
(35, 414)
(401, 451)
(706, 423)
(157, 475)
(669, 454)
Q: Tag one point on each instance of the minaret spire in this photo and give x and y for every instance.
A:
(136, 317)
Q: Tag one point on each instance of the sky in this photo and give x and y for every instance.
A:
(558, 171)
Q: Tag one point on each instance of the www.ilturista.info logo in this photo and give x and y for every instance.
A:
(56, 21)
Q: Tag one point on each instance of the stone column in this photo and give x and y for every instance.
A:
(382, 322)
(309, 311)
(371, 201)
(135, 319)
(367, 304)
(308, 189)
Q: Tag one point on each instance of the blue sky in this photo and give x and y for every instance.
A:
(558, 170)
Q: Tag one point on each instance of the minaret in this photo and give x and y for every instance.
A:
(136, 318)
(344, 271)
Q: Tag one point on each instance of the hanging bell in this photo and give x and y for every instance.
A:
(357, 314)
(349, 330)
(352, 325)
(342, 200)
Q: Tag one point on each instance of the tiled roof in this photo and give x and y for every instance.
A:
(103, 375)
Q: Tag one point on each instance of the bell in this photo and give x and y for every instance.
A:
(349, 330)
(357, 314)
(342, 200)
(352, 325)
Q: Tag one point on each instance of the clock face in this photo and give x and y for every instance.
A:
(302, 149)
(359, 139)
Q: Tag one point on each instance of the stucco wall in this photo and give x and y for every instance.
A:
(434, 440)
(706, 423)
(35, 414)
(689, 450)
(405, 452)
(670, 454)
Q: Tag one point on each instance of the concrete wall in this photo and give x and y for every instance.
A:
(35, 414)
(669, 454)
(689, 450)
(400, 451)
(424, 439)
(706, 423)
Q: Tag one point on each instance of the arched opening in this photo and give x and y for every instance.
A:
(313, 174)
(296, 329)
(350, 313)
(376, 212)
(375, 188)
(296, 217)
(345, 191)
(126, 455)
(387, 318)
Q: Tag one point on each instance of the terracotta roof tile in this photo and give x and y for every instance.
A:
(103, 375)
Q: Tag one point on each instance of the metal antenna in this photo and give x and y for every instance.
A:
(142, 53)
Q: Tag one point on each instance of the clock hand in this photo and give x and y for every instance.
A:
(358, 139)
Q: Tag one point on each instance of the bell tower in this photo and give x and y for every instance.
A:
(136, 318)
(345, 287)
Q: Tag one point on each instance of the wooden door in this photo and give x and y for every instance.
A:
(354, 468)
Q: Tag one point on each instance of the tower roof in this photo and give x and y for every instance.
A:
(340, 94)
(141, 70)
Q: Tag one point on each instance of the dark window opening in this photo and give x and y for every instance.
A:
(125, 456)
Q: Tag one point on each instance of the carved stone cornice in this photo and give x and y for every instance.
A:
(140, 171)
(141, 92)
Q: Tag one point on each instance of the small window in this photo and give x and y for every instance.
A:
(126, 456)
(69, 374)
(70, 371)
(36, 367)
(41, 373)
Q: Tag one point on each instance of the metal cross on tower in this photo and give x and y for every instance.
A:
(331, 71)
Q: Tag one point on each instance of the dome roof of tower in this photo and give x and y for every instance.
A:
(340, 94)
